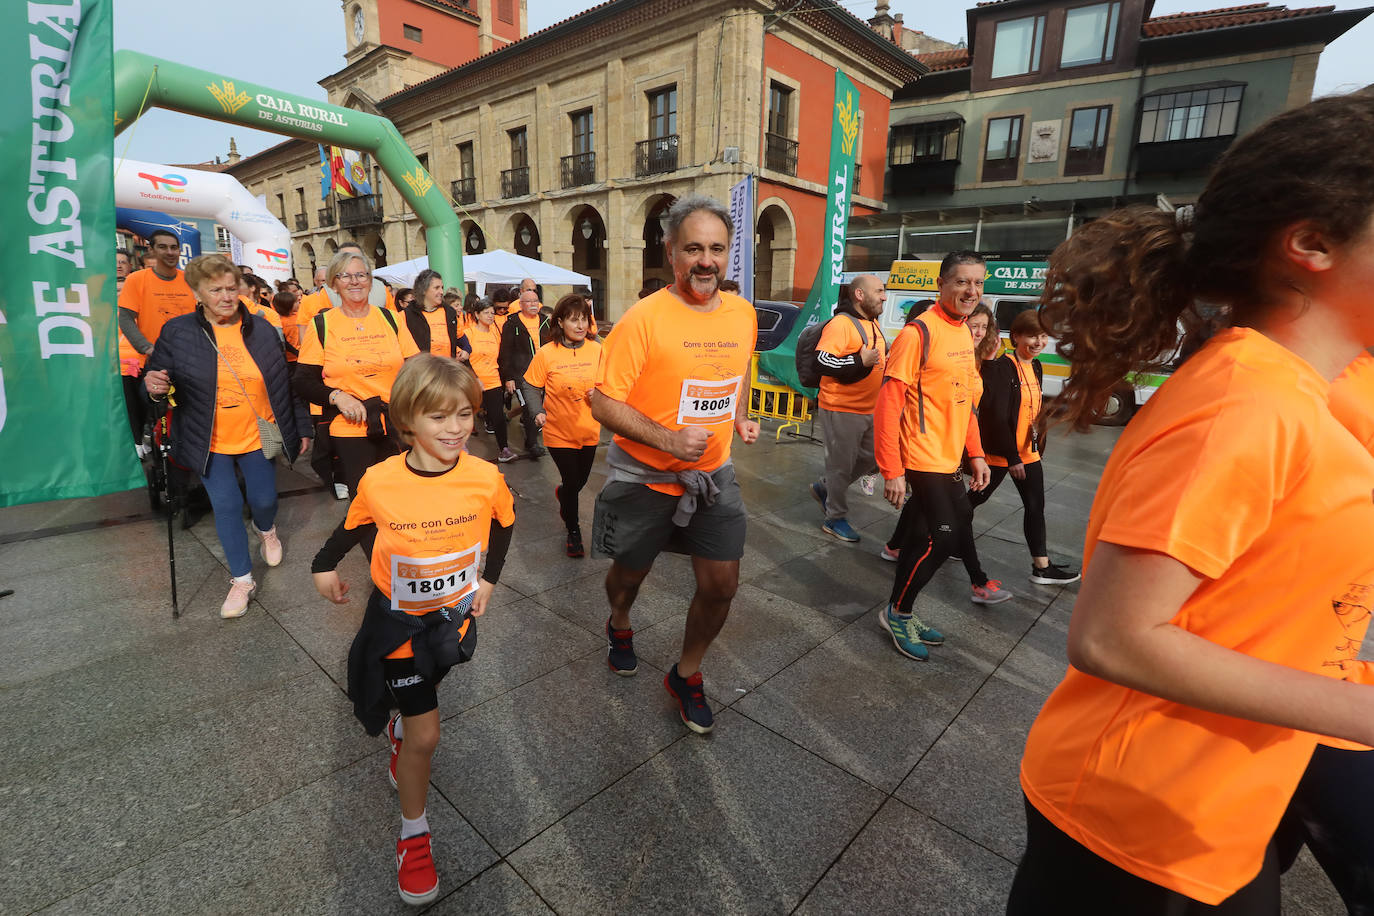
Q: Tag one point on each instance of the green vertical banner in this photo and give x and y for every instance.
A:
(780, 362)
(63, 430)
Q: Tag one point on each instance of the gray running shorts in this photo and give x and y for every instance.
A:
(633, 524)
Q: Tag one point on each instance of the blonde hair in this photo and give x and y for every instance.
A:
(340, 261)
(427, 382)
(208, 267)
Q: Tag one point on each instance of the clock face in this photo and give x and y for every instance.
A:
(358, 25)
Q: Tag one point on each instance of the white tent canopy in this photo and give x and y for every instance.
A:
(489, 267)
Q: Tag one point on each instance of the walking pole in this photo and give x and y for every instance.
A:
(164, 446)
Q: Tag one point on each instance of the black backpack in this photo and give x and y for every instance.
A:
(805, 357)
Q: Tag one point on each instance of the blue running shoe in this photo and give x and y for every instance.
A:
(691, 701)
(819, 493)
(904, 634)
(840, 528)
(620, 651)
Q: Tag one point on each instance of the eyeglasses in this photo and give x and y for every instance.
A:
(354, 278)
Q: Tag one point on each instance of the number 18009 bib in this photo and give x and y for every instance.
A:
(706, 403)
(429, 583)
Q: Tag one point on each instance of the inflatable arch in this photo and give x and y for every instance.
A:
(191, 192)
(142, 82)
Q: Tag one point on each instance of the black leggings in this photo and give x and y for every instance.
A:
(1059, 875)
(942, 522)
(910, 524)
(1332, 812)
(1032, 491)
(135, 406)
(574, 467)
(493, 402)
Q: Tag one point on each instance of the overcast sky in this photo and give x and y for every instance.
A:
(290, 45)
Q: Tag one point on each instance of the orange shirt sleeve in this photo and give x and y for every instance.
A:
(1206, 513)
(359, 512)
(622, 356)
(887, 427)
(538, 372)
(407, 342)
(502, 503)
(973, 440)
(312, 348)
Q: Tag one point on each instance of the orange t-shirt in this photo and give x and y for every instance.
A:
(944, 396)
(566, 375)
(235, 427)
(1352, 399)
(429, 528)
(1237, 469)
(361, 357)
(841, 338)
(681, 367)
(130, 360)
(501, 321)
(438, 332)
(1031, 399)
(291, 332)
(312, 305)
(265, 312)
(155, 300)
(486, 346)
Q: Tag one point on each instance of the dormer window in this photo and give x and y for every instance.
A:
(1017, 45)
(1090, 34)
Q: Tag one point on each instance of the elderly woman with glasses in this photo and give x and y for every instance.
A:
(349, 358)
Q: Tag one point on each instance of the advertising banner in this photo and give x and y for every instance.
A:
(820, 302)
(741, 266)
(63, 429)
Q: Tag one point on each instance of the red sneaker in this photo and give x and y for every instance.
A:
(395, 747)
(416, 878)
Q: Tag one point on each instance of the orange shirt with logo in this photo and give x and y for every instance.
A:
(235, 427)
(420, 516)
(486, 346)
(841, 338)
(567, 375)
(360, 356)
(155, 301)
(1237, 469)
(944, 395)
(1031, 399)
(681, 367)
(438, 332)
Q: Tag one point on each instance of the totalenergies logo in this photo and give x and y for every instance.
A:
(174, 183)
(277, 257)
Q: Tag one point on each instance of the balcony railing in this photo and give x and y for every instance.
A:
(515, 182)
(780, 154)
(360, 211)
(326, 217)
(655, 156)
(464, 191)
(302, 222)
(578, 169)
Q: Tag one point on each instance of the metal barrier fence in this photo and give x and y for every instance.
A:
(769, 400)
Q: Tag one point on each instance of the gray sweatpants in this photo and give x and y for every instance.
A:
(848, 456)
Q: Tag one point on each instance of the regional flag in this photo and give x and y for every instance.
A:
(339, 174)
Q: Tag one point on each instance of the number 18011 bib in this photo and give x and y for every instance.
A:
(428, 583)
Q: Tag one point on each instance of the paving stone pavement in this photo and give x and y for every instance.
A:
(209, 766)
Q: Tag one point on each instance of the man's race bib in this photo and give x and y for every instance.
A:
(708, 403)
(429, 583)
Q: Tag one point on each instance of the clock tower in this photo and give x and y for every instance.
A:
(393, 44)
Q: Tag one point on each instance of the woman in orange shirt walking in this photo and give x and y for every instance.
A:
(564, 370)
(1229, 580)
(484, 335)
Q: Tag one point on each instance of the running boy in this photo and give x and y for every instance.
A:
(434, 511)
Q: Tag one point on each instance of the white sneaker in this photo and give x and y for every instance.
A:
(271, 545)
(236, 604)
(340, 491)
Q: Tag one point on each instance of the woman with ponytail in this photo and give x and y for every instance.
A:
(1228, 580)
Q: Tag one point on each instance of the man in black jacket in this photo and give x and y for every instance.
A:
(849, 358)
(525, 332)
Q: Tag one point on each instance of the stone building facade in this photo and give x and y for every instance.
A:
(569, 144)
